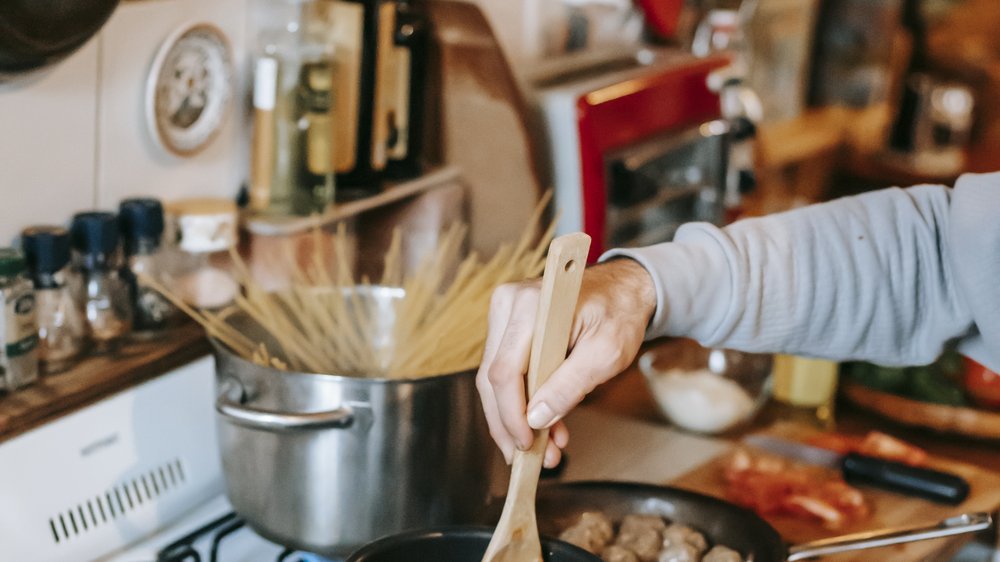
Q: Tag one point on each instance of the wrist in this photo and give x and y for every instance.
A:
(633, 282)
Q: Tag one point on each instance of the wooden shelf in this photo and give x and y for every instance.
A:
(97, 377)
(264, 225)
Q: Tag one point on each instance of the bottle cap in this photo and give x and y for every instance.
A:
(140, 219)
(46, 248)
(11, 262)
(94, 233)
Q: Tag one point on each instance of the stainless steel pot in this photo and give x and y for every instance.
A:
(326, 463)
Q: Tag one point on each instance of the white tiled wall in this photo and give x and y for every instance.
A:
(75, 137)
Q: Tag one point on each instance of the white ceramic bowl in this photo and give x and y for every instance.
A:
(706, 390)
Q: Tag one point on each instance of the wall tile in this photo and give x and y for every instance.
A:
(47, 140)
(129, 163)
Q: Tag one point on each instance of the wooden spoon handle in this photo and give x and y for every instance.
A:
(564, 267)
(560, 290)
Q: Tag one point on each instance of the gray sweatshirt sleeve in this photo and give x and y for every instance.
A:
(870, 277)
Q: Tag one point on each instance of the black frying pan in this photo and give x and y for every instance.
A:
(559, 506)
(37, 33)
(455, 544)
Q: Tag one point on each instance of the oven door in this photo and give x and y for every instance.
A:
(656, 186)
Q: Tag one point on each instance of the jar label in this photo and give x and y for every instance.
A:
(21, 333)
(19, 326)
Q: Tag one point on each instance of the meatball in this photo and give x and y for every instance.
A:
(616, 553)
(682, 552)
(677, 534)
(722, 554)
(637, 521)
(592, 532)
(642, 534)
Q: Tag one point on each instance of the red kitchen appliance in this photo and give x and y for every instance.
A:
(662, 16)
(636, 146)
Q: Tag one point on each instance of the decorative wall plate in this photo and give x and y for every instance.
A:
(189, 90)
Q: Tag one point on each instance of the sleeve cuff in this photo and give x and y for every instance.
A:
(693, 283)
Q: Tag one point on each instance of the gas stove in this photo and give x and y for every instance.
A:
(210, 533)
(135, 477)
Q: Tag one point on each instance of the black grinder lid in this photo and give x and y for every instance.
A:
(46, 249)
(94, 233)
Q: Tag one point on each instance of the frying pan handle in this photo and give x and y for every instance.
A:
(232, 405)
(958, 525)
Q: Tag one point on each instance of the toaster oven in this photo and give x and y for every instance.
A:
(637, 150)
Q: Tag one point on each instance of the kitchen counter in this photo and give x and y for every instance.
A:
(627, 395)
(647, 449)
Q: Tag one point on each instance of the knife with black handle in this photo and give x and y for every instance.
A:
(926, 483)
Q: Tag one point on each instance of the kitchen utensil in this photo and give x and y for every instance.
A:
(742, 388)
(899, 477)
(326, 463)
(41, 32)
(454, 545)
(516, 537)
(559, 505)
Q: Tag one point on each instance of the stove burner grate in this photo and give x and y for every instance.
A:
(183, 550)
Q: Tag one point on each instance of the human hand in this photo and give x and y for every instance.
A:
(616, 301)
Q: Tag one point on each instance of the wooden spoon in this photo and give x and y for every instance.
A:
(516, 536)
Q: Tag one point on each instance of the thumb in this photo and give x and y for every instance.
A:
(588, 365)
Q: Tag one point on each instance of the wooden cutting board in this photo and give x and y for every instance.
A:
(888, 509)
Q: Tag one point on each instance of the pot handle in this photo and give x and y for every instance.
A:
(232, 405)
(958, 525)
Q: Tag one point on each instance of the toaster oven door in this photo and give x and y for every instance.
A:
(658, 185)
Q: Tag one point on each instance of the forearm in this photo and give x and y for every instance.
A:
(863, 277)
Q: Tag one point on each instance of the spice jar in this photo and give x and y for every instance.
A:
(103, 291)
(19, 355)
(62, 329)
(141, 222)
(207, 232)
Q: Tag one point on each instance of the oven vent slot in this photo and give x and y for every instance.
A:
(117, 502)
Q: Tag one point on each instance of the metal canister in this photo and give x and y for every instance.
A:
(18, 324)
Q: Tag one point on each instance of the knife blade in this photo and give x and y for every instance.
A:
(933, 485)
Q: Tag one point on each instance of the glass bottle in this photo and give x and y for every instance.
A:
(18, 325)
(804, 389)
(206, 231)
(296, 68)
(103, 290)
(141, 222)
(62, 328)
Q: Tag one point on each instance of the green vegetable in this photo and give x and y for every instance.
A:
(886, 379)
(951, 365)
(928, 384)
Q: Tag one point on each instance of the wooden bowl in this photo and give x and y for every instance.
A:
(970, 422)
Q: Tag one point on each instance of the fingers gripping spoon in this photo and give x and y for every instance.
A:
(516, 536)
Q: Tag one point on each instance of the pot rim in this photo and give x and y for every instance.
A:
(223, 351)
